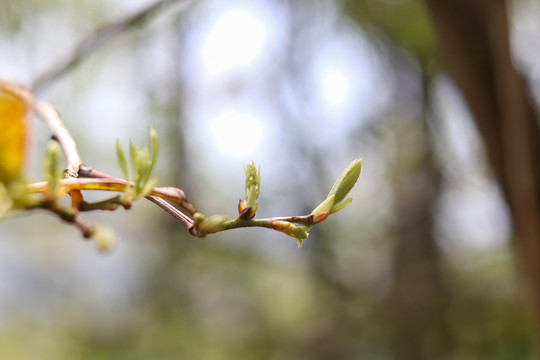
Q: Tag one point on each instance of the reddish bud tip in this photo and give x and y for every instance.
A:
(317, 218)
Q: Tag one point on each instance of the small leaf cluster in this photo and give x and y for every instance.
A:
(339, 196)
(142, 161)
(248, 207)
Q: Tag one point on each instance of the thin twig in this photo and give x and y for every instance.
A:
(305, 220)
(76, 169)
(108, 204)
(165, 191)
(62, 135)
(66, 214)
(177, 214)
(87, 230)
(96, 40)
(174, 195)
(54, 123)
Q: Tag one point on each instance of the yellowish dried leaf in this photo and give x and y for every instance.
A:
(13, 134)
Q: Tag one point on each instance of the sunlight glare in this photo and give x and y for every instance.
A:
(235, 40)
(236, 133)
(336, 89)
(341, 73)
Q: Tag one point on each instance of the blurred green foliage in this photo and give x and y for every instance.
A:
(405, 22)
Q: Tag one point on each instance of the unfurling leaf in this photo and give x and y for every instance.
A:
(339, 197)
(147, 188)
(142, 168)
(342, 205)
(346, 180)
(253, 184)
(142, 162)
(154, 147)
(13, 133)
(248, 206)
(296, 231)
(122, 161)
(133, 155)
(325, 206)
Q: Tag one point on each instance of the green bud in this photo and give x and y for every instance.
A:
(344, 184)
(325, 206)
(103, 238)
(253, 183)
(337, 199)
(127, 197)
(299, 232)
(296, 231)
(198, 217)
(212, 224)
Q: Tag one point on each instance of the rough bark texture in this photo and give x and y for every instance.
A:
(473, 40)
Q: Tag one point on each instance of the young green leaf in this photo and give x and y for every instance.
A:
(147, 188)
(344, 184)
(133, 156)
(52, 169)
(154, 147)
(325, 206)
(337, 198)
(253, 184)
(122, 161)
(144, 166)
(341, 205)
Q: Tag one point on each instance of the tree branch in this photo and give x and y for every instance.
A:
(169, 193)
(60, 134)
(96, 40)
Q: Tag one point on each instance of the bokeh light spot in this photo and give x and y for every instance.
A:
(236, 133)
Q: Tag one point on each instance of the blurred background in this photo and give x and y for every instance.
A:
(422, 265)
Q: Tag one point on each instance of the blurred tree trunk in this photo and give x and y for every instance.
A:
(419, 296)
(473, 40)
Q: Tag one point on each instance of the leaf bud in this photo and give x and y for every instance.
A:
(344, 184)
(212, 224)
(253, 184)
(103, 238)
